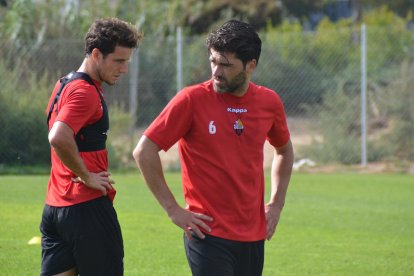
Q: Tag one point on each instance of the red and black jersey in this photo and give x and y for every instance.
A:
(81, 106)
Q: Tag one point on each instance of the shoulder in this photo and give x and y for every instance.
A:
(80, 90)
(196, 94)
(265, 93)
(197, 90)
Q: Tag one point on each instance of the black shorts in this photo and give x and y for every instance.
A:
(221, 257)
(86, 236)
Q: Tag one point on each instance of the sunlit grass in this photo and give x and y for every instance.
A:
(332, 224)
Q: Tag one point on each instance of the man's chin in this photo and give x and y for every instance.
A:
(219, 89)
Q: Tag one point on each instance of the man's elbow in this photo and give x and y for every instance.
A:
(287, 149)
(141, 151)
(55, 141)
(137, 153)
(60, 136)
(145, 151)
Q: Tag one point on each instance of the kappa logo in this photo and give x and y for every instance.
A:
(236, 110)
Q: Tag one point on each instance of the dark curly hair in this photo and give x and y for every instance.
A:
(106, 34)
(236, 37)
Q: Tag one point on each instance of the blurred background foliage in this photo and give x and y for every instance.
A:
(30, 21)
(311, 50)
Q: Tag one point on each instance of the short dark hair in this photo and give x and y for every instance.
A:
(236, 37)
(105, 34)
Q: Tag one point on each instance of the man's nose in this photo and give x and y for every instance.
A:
(124, 68)
(216, 71)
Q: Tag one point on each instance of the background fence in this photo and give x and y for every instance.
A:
(319, 77)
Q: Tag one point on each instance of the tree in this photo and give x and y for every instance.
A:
(203, 14)
(162, 17)
(28, 23)
(4, 3)
(302, 9)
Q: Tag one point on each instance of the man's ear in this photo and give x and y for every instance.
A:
(251, 65)
(96, 54)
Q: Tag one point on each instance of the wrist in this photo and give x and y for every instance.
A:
(85, 177)
(171, 209)
(276, 205)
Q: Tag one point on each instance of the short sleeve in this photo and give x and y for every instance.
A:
(173, 122)
(278, 134)
(80, 107)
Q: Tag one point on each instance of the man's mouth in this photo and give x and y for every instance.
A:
(219, 80)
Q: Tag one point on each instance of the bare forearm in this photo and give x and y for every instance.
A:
(71, 158)
(280, 175)
(146, 155)
(148, 160)
(158, 186)
(62, 141)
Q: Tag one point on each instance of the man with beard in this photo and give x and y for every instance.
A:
(221, 126)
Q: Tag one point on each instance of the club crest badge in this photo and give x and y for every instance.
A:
(238, 127)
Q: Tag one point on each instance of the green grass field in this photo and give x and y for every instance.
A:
(333, 224)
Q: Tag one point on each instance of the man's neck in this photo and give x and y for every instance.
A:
(87, 68)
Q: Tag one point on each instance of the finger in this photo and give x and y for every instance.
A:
(204, 217)
(105, 178)
(103, 173)
(77, 180)
(103, 190)
(203, 225)
(271, 231)
(269, 225)
(270, 228)
(270, 235)
(188, 234)
(104, 181)
(198, 232)
(106, 186)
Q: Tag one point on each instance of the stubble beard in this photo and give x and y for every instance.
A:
(234, 86)
(105, 79)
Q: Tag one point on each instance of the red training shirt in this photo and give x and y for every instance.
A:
(221, 139)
